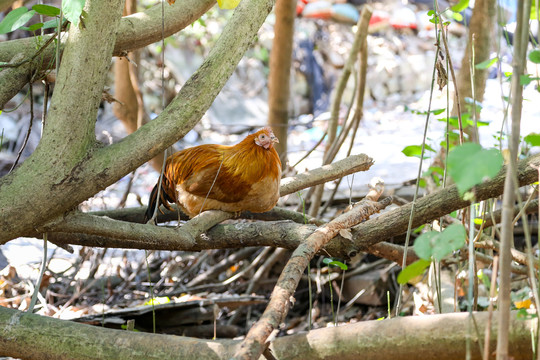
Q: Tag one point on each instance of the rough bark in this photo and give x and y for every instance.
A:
(437, 337)
(280, 73)
(27, 194)
(12, 80)
(69, 166)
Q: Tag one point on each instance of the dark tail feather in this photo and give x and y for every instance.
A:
(164, 199)
(151, 204)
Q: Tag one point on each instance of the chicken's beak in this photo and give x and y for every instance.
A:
(274, 139)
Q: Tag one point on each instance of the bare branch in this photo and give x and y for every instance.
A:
(352, 164)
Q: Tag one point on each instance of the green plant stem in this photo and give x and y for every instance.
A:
(331, 297)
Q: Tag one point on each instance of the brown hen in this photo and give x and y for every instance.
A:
(242, 177)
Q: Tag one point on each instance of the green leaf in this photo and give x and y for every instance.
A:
(436, 169)
(423, 245)
(533, 139)
(523, 314)
(452, 238)
(72, 10)
(482, 123)
(440, 244)
(50, 24)
(525, 79)
(339, 264)
(125, 327)
(335, 263)
(15, 19)
(413, 270)
(457, 16)
(470, 164)
(46, 10)
(460, 6)
(438, 111)
(33, 27)
(419, 112)
(486, 64)
(534, 56)
(416, 150)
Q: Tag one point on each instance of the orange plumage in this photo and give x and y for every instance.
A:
(242, 177)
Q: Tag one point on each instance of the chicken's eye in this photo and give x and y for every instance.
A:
(262, 136)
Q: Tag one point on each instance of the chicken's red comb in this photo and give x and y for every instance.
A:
(268, 129)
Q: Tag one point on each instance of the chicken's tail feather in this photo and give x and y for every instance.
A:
(151, 204)
(164, 199)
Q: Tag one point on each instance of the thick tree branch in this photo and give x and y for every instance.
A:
(440, 337)
(286, 234)
(39, 188)
(121, 230)
(13, 79)
(350, 165)
(184, 237)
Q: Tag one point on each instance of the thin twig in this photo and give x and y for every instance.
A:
(29, 128)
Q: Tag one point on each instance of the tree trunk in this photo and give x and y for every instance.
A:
(438, 337)
(481, 29)
(280, 71)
